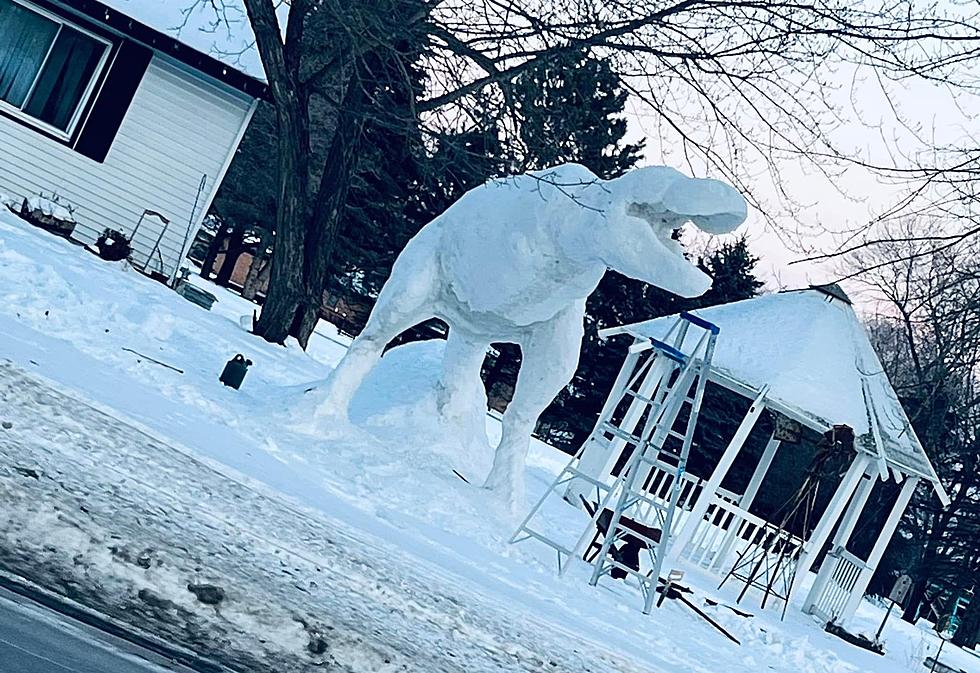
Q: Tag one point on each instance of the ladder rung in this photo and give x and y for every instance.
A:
(611, 562)
(619, 432)
(626, 530)
(591, 480)
(551, 543)
(650, 461)
(645, 499)
(636, 395)
(669, 351)
(700, 322)
(676, 435)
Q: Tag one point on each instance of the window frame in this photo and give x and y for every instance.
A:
(84, 100)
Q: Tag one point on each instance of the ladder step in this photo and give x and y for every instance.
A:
(700, 322)
(639, 497)
(548, 541)
(619, 432)
(669, 351)
(638, 396)
(626, 530)
(676, 435)
(582, 475)
(610, 562)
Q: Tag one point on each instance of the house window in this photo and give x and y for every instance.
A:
(47, 67)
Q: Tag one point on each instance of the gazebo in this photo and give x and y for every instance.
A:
(804, 356)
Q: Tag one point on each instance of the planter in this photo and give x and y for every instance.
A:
(113, 246)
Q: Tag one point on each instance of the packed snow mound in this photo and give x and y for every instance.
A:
(399, 398)
(374, 516)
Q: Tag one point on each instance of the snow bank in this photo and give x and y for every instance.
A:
(423, 542)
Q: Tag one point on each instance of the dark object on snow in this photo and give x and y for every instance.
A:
(627, 554)
(154, 600)
(939, 667)
(147, 357)
(207, 593)
(196, 295)
(602, 524)
(675, 592)
(234, 371)
(27, 472)
(113, 246)
(740, 613)
(317, 645)
(854, 639)
(192, 293)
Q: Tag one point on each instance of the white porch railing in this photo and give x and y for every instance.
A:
(834, 585)
(660, 482)
(723, 534)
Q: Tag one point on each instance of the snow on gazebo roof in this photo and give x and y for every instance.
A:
(811, 349)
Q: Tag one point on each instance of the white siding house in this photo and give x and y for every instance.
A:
(133, 121)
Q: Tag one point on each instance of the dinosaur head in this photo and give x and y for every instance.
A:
(646, 207)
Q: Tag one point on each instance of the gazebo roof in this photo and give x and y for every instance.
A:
(812, 351)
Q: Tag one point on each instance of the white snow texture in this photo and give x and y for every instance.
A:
(514, 261)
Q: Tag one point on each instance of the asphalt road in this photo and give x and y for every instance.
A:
(34, 639)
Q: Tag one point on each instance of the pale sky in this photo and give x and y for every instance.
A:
(931, 112)
(872, 132)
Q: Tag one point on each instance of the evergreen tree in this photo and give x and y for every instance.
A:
(570, 109)
(383, 209)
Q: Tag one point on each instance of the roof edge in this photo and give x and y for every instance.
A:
(158, 41)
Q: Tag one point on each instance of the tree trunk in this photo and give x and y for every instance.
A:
(331, 199)
(281, 60)
(213, 249)
(258, 267)
(286, 276)
(234, 250)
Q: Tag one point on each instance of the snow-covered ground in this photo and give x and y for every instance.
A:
(123, 480)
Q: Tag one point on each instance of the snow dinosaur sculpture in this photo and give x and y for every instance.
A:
(514, 261)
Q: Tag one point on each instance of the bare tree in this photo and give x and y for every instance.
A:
(736, 86)
(928, 335)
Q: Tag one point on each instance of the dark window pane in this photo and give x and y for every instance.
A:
(24, 40)
(64, 78)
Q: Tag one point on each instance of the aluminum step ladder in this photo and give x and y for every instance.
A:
(657, 382)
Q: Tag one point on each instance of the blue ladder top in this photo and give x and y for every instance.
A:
(669, 350)
(700, 322)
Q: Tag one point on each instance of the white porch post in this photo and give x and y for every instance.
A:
(854, 509)
(847, 525)
(760, 473)
(710, 489)
(887, 531)
(830, 517)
